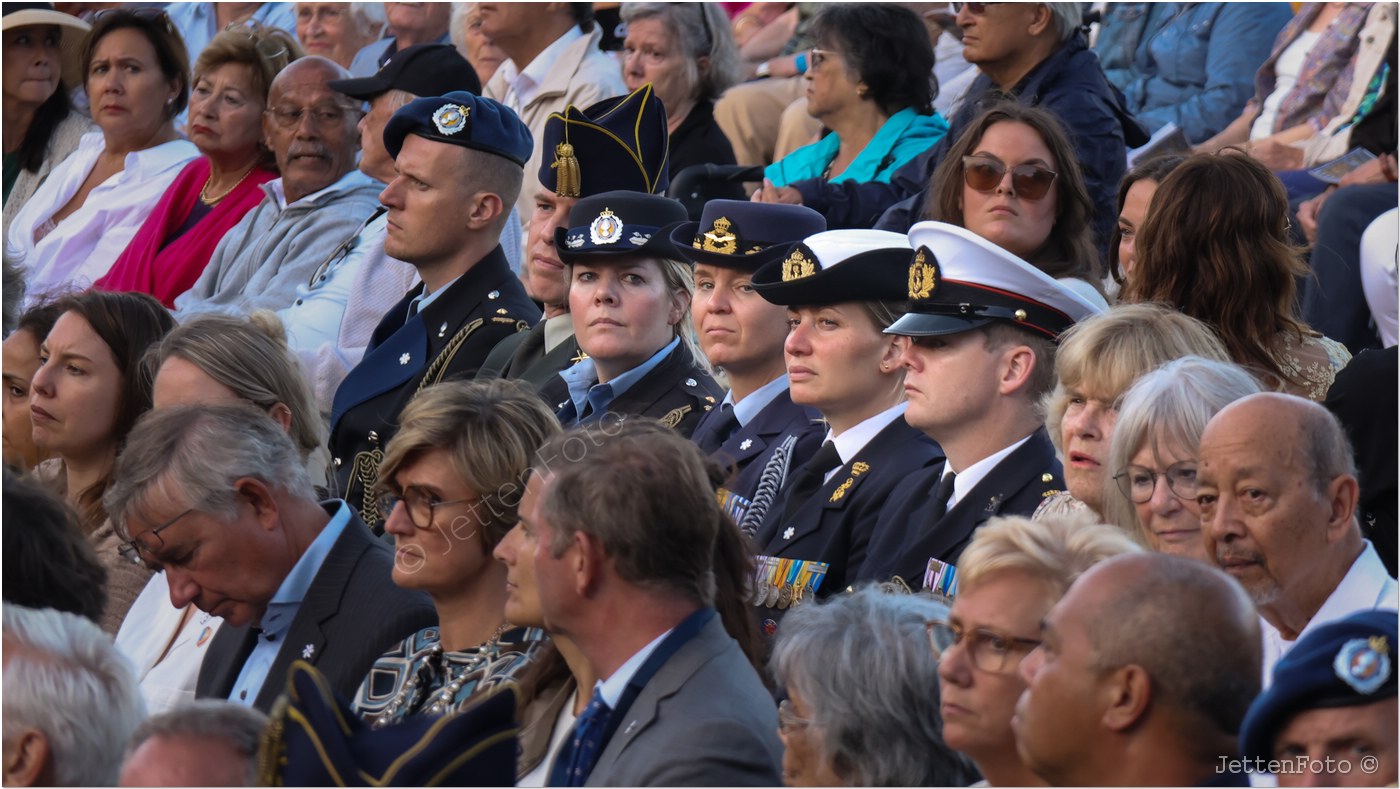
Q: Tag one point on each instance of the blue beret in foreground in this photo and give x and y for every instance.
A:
(315, 740)
(461, 118)
(1346, 663)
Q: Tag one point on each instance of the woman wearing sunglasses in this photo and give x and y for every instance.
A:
(1153, 491)
(212, 193)
(870, 81)
(76, 225)
(856, 716)
(1013, 178)
(1012, 573)
(449, 486)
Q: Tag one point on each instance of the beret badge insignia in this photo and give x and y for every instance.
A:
(451, 118)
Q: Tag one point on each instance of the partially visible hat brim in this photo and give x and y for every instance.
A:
(842, 284)
(683, 239)
(918, 324)
(73, 30)
(362, 88)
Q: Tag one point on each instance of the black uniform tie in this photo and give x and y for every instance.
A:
(720, 429)
(811, 477)
(940, 503)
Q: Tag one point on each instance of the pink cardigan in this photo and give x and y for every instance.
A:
(166, 273)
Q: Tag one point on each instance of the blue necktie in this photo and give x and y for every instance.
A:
(575, 761)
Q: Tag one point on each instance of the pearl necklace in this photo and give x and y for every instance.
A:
(444, 699)
(204, 193)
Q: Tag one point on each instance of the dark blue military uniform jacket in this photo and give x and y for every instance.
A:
(677, 391)
(1015, 486)
(446, 340)
(749, 448)
(522, 356)
(835, 525)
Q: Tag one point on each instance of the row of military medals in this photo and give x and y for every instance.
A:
(783, 583)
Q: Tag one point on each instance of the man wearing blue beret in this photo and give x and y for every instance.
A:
(459, 161)
(1329, 718)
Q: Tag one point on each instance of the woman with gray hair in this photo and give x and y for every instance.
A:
(1153, 451)
(687, 52)
(856, 716)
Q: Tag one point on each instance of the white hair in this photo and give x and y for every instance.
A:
(368, 18)
(66, 679)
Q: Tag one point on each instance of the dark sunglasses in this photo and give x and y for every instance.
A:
(146, 13)
(1030, 181)
(976, 9)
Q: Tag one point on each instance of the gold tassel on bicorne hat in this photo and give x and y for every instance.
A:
(568, 182)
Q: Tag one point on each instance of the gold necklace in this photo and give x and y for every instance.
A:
(204, 193)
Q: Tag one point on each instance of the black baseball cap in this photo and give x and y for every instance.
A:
(422, 69)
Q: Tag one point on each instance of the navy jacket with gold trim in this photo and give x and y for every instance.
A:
(836, 524)
(446, 340)
(677, 391)
(1015, 486)
(749, 448)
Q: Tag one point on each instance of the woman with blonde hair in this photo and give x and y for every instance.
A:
(629, 298)
(1152, 492)
(449, 487)
(1097, 361)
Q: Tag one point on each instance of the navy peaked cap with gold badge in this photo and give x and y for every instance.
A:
(837, 267)
(1346, 663)
(618, 143)
(745, 235)
(958, 281)
(460, 118)
(619, 223)
(314, 739)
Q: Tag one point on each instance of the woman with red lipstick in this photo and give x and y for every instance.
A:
(88, 392)
(1098, 360)
(40, 126)
(1013, 178)
(212, 193)
(1153, 453)
(76, 225)
(449, 488)
(629, 298)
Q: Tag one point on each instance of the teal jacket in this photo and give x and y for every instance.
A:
(904, 136)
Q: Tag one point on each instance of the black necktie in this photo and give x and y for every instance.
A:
(810, 478)
(719, 430)
(940, 503)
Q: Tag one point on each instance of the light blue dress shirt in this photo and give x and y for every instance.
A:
(745, 410)
(585, 391)
(283, 609)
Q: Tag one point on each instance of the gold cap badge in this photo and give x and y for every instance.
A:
(923, 276)
(798, 266)
(719, 239)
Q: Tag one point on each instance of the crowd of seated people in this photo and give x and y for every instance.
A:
(659, 394)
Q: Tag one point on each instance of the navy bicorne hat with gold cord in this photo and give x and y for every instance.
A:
(461, 118)
(837, 267)
(618, 143)
(958, 281)
(613, 224)
(745, 235)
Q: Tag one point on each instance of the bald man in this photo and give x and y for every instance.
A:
(319, 201)
(1277, 490)
(1145, 670)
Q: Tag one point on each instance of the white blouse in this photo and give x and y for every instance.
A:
(150, 626)
(87, 242)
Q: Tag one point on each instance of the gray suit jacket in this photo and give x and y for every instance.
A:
(352, 613)
(705, 719)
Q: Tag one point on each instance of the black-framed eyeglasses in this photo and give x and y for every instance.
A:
(984, 174)
(421, 505)
(1139, 483)
(146, 13)
(989, 650)
(976, 9)
(788, 720)
(322, 116)
(138, 553)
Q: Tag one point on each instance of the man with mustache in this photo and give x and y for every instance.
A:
(1277, 493)
(320, 199)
